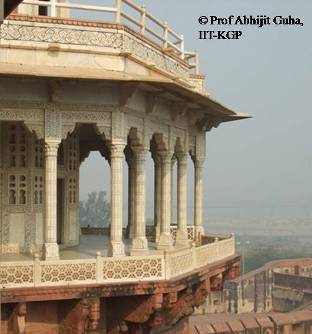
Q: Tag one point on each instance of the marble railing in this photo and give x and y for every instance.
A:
(106, 41)
(122, 12)
(150, 231)
(104, 270)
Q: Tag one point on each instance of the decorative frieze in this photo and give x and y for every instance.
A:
(152, 55)
(13, 31)
(56, 120)
(99, 38)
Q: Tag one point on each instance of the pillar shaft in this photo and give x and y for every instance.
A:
(139, 241)
(116, 246)
(182, 199)
(51, 249)
(131, 196)
(157, 196)
(165, 239)
(198, 197)
(173, 161)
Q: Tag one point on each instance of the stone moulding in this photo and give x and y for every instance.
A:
(106, 270)
(118, 40)
(56, 120)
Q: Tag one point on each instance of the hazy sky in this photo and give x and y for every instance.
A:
(268, 74)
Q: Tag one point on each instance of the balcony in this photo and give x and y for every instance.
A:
(102, 34)
(85, 264)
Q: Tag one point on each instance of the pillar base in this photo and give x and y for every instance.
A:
(199, 230)
(116, 248)
(165, 241)
(157, 233)
(51, 251)
(182, 239)
(139, 245)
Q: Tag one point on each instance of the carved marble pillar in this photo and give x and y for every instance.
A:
(116, 245)
(165, 240)
(173, 161)
(182, 238)
(198, 196)
(139, 241)
(51, 249)
(131, 194)
(157, 195)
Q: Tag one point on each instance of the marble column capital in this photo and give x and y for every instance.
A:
(117, 150)
(165, 157)
(181, 158)
(51, 148)
(157, 159)
(139, 153)
(198, 161)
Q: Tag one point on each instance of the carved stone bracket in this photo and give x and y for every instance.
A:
(37, 128)
(178, 110)
(208, 122)
(127, 90)
(94, 315)
(198, 152)
(178, 139)
(17, 321)
(150, 103)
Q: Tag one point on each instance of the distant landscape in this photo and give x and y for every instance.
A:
(257, 250)
(263, 233)
(264, 240)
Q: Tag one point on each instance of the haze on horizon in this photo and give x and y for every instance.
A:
(264, 163)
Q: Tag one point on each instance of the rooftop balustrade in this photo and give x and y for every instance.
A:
(124, 12)
(155, 266)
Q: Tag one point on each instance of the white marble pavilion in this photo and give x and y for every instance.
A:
(69, 87)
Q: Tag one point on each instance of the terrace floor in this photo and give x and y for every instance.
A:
(87, 249)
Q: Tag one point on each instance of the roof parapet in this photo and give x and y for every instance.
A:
(123, 12)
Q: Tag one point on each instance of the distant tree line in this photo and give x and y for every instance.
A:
(263, 249)
(95, 211)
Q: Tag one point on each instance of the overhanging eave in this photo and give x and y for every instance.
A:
(205, 104)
